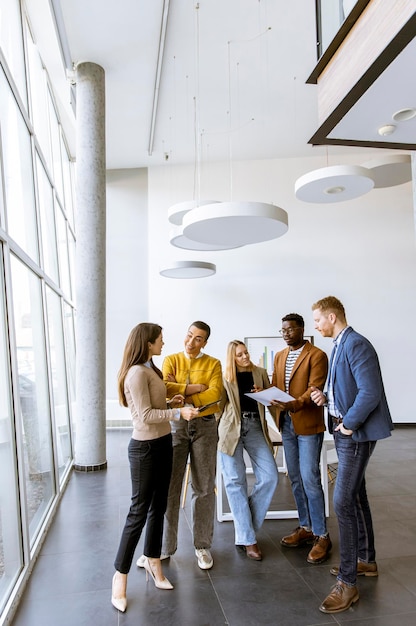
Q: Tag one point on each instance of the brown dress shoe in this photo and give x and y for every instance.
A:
(320, 550)
(297, 538)
(254, 552)
(363, 569)
(340, 598)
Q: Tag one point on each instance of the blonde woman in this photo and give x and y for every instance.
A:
(141, 388)
(243, 427)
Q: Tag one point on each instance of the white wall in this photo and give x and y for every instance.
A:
(127, 270)
(362, 251)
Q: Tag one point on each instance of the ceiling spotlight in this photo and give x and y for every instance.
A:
(331, 190)
(387, 129)
(404, 114)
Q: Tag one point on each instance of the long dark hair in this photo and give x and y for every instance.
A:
(136, 352)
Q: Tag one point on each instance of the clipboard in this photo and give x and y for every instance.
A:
(206, 406)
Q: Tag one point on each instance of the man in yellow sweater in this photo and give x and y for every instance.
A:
(198, 377)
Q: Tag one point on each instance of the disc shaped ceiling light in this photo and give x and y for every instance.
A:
(389, 171)
(189, 269)
(177, 211)
(178, 239)
(334, 184)
(234, 224)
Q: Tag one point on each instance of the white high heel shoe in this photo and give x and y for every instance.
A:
(160, 584)
(120, 603)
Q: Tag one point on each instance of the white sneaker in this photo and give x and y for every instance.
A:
(205, 560)
(141, 560)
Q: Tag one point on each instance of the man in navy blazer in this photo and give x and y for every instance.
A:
(358, 415)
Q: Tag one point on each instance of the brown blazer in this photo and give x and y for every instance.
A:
(310, 370)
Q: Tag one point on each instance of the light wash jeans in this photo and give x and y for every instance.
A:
(302, 454)
(249, 511)
(356, 535)
(198, 439)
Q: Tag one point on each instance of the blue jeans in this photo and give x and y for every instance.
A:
(356, 535)
(197, 439)
(150, 470)
(302, 454)
(249, 511)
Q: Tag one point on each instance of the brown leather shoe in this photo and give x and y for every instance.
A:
(340, 598)
(320, 550)
(254, 552)
(363, 569)
(297, 538)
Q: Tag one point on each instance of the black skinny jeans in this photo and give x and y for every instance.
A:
(150, 470)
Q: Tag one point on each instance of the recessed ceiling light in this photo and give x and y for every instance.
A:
(387, 129)
(404, 114)
(338, 189)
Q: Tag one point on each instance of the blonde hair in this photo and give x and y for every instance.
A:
(230, 366)
(331, 304)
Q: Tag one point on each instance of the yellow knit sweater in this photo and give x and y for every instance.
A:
(204, 370)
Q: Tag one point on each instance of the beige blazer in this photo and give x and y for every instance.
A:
(229, 427)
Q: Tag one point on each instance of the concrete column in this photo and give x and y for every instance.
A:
(90, 435)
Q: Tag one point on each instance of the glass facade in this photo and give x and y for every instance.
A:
(331, 14)
(37, 338)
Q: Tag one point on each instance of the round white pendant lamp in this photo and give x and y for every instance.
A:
(178, 239)
(334, 184)
(177, 211)
(389, 171)
(234, 224)
(189, 269)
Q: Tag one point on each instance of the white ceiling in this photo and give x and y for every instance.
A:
(232, 83)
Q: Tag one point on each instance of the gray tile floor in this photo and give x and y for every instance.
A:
(71, 581)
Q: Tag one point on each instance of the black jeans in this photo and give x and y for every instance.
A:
(150, 470)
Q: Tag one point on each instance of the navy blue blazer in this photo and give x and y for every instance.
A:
(358, 389)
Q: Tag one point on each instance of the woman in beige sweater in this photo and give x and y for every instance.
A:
(141, 388)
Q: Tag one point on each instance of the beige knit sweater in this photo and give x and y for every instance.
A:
(146, 397)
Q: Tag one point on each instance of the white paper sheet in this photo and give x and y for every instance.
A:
(272, 393)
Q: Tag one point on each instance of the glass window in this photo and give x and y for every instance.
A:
(331, 15)
(18, 173)
(68, 170)
(59, 381)
(11, 43)
(63, 253)
(69, 333)
(47, 223)
(71, 251)
(11, 559)
(56, 148)
(33, 392)
(37, 360)
(39, 99)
